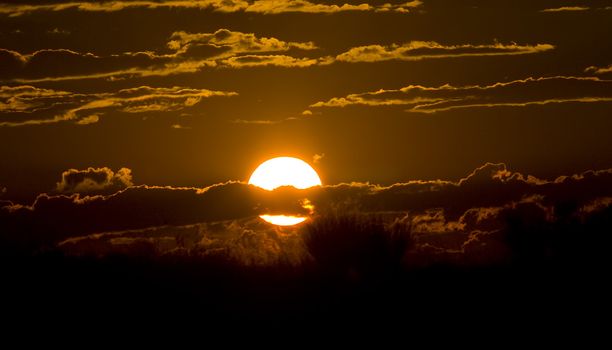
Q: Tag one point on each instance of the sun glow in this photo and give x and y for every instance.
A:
(283, 220)
(284, 171)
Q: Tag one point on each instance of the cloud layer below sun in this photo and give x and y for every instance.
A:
(102, 209)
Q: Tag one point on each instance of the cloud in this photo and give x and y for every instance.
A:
(58, 31)
(223, 48)
(596, 205)
(189, 53)
(29, 99)
(517, 93)
(91, 119)
(18, 102)
(490, 185)
(599, 70)
(318, 157)
(54, 218)
(63, 62)
(231, 42)
(483, 201)
(420, 50)
(179, 127)
(269, 60)
(567, 9)
(260, 6)
(94, 180)
(284, 6)
(247, 241)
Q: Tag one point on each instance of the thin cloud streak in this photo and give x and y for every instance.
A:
(27, 99)
(518, 93)
(193, 52)
(420, 50)
(567, 9)
(599, 70)
(227, 6)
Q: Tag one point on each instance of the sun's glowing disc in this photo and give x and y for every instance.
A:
(284, 171)
(283, 220)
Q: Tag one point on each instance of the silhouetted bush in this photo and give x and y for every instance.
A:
(357, 245)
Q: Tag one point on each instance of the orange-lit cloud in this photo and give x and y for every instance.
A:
(234, 42)
(268, 60)
(189, 53)
(599, 70)
(86, 109)
(567, 9)
(94, 180)
(260, 6)
(518, 93)
(420, 50)
(192, 52)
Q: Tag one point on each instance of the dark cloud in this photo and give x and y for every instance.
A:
(248, 241)
(48, 63)
(488, 186)
(53, 217)
(18, 103)
(476, 202)
(518, 93)
(94, 180)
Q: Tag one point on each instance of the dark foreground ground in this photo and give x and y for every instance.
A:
(52, 289)
(360, 273)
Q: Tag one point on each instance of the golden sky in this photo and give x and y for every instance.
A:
(194, 93)
(461, 151)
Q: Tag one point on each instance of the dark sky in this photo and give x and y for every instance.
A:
(196, 93)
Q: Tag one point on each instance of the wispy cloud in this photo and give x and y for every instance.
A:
(230, 42)
(179, 127)
(83, 109)
(193, 52)
(260, 6)
(567, 9)
(420, 50)
(189, 53)
(269, 60)
(599, 70)
(518, 93)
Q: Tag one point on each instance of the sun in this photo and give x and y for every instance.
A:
(284, 171)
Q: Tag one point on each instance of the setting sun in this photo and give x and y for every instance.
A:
(284, 171)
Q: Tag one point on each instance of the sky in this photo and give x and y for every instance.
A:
(164, 108)
(193, 93)
(463, 148)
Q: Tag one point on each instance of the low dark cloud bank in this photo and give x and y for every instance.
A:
(488, 217)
